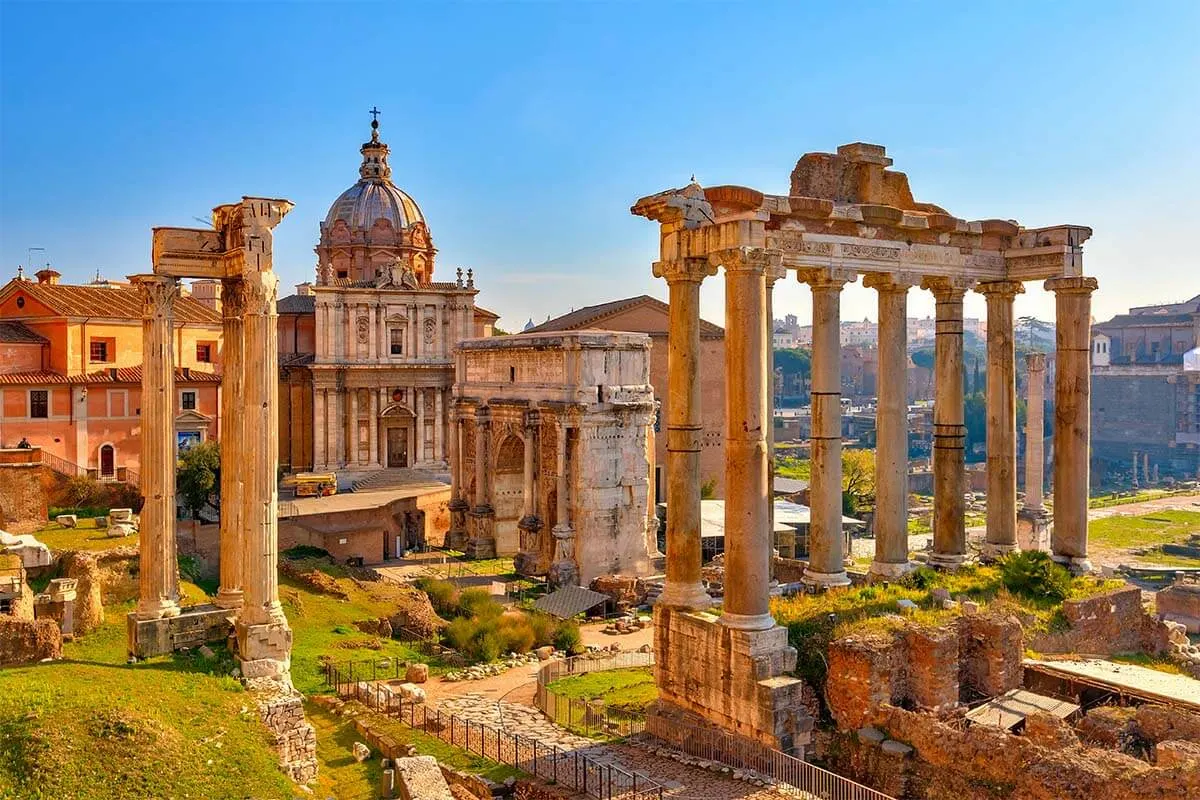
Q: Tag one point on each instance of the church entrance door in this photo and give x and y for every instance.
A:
(397, 447)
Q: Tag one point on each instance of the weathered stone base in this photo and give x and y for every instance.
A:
(195, 625)
(1033, 529)
(825, 580)
(947, 560)
(992, 552)
(563, 573)
(885, 569)
(733, 679)
(1077, 566)
(482, 543)
(530, 562)
(264, 649)
(292, 737)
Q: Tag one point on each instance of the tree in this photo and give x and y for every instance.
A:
(975, 419)
(82, 490)
(858, 479)
(795, 361)
(198, 476)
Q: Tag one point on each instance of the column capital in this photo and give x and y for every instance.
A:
(261, 290)
(826, 277)
(947, 288)
(1005, 289)
(684, 270)
(1080, 285)
(159, 293)
(1035, 362)
(891, 281)
(747, 259)
(233, 297)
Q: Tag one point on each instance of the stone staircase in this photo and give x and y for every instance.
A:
(397, 478)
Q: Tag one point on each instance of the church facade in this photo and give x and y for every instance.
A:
(366, 352)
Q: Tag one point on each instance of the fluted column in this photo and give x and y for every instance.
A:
(826, 538)
(456, 537)
(419, 402)
(320, 427)
(233, 306)
(339, 428)
(747, 518)
(158, 573)
(530, 561)
(1072, 426)
(482, 543)
(1035, 431)
(438, 425)
(683, 587)
(1001, 418)
(949, 431)
(891, 427)
(352, 437)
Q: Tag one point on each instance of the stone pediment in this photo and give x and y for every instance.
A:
(191, 417)
(398, 316)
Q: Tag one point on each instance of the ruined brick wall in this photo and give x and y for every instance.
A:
(23, 499)
(787, 570)
(1160, 723)
(864, 672)
(984, 763)
(24, 641)
(1113, 622)
(1180, 603)
(292, 737)
(932, 667)
(990, 650)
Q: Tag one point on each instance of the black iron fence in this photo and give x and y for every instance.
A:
(564, 766)
(589, 717)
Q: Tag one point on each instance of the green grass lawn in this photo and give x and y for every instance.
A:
(1158, 528)
(86, 536)
(630, 689)
(1140, 497)
(92, 726)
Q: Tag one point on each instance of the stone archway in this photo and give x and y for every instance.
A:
(508, 492)
(396, 426)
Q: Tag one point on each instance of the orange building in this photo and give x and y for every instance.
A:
(71, 372)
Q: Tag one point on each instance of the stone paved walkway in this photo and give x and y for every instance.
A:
(680, 781)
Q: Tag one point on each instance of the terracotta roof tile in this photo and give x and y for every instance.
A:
(297, 304)
(131, 375)
(16, 333)
(122, 302)
(592, 316)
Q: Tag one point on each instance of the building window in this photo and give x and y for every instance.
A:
(118, 402)
(187, 400)
(204, 352)
(99, 351)
(39, 403)
(396, 337)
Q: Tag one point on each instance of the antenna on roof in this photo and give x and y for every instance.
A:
(207, 222)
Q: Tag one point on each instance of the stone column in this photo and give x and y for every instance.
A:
(891, 428)
(826, 539)
(373, 427)
(482, 543)
(683, 588)
(353, 456)
(158, 573)
(456, 537)
(949, 432)
(1001, 418)
(264, 638)
(320, 450)
(748, 532)
(564, 571)
(438, 423)
(233, 306)
(772, 274)
(529, 561)
(1072, 426)
(1035, 431)
(339, 430)
(419, 445)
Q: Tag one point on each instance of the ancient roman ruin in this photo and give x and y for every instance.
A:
(236, 251)
(846, 215)
(552, 451)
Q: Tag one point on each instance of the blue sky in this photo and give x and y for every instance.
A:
(526, 130)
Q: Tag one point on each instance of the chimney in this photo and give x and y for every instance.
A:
(47, 275)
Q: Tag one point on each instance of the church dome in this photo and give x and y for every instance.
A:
(370, 200)
(374, 197)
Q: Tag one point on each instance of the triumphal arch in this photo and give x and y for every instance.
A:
(846, 215)
(237, 251)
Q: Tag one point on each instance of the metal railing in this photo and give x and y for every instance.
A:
(742, 753)
(589, 717)
(564, 766)
(62, 465)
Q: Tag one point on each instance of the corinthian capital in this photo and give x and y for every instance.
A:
(158, 294)
(1005, 289)
(260, 292)
(891, 281)
(233, 297)
(687, 270)
(747, 259)
(827, 277)
(1079, 285)
(948, 288)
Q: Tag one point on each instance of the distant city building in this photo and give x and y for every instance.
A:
(71, 372)
(866, 333)
(1146, 392)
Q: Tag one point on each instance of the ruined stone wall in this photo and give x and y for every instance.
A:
(1180, 603)
(26, 641)
(23, 497)
(292, 737)
(1104, 624)
(84, 567)
(990, 650)
(932, 667)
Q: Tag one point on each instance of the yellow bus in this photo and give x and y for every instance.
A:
(312, 484)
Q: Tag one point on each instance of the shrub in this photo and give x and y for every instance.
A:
(82, 491)
(459, 634)
(543, 629)
(516, 633)
(303, 551)
(443, 595)
(568, 638)
(921, 578)
(1033, 574)
(478, 603)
